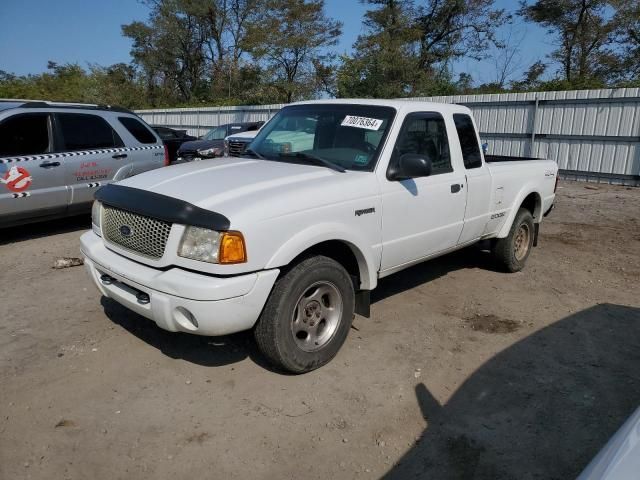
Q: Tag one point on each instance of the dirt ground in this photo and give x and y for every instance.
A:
(461, 372)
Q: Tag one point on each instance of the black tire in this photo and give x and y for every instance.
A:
(508, 250)
(274, 332)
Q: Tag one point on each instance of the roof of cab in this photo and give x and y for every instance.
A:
(398, 104)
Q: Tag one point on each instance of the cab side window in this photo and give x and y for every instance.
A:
(81, 131)
(425, 134)
(468, 141)
(26, 134)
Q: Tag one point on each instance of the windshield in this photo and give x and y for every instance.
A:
(217, 133)
(349, 136)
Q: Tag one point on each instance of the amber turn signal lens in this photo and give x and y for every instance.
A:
(232, 248)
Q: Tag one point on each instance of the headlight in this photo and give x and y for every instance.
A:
(209, 152)
(207, 245)
(96, 210)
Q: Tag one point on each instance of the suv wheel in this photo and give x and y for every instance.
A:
(307, 316)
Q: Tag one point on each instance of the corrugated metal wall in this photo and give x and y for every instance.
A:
(592, 134)
(197, 121)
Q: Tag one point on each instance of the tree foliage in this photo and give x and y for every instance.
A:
(195, 52)
(582, 34)
(289, 44)
(408, 47)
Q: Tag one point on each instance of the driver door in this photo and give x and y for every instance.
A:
(422, 216)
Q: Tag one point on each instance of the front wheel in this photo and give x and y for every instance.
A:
(307, 316)
(513, 250)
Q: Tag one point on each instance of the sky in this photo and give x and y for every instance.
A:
(33, 32)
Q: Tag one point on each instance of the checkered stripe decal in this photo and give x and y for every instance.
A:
(47, 156)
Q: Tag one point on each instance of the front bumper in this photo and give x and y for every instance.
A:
(177, 299)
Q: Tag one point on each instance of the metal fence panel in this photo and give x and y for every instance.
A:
(591, 134)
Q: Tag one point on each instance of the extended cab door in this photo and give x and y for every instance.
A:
(422, 216)
(478, 179)
(91, 156)
(32, 180)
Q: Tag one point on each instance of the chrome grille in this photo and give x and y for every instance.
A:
(236, 148)
(147, 236)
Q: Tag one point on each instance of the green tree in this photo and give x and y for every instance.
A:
(531, 79)
(291, 44)
(451, 29)
(192, 50)
(385, 61)
(114, 85)
(169, 50)
(583, 36)
(408, 48)
(627, 20)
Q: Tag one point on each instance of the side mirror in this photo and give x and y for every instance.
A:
(410, 165)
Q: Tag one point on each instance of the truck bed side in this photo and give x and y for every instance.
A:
(515, 182)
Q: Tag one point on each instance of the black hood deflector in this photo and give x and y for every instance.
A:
(162, 207)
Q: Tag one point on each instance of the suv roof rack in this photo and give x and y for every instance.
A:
(85, 106)
(49, 104)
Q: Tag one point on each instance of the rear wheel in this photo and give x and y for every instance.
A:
(307, 316)
(513, 250)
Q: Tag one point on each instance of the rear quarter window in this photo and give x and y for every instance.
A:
(81, 131)
(138, 129)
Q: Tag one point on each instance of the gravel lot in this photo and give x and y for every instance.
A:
(462, 371)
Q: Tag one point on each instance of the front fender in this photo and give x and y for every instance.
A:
(323, 232)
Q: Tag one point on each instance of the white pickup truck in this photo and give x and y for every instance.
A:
(290, 239)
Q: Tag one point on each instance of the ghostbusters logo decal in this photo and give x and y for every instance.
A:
(17, 179)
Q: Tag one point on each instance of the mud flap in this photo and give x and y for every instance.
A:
(536, 229)
(363, 303)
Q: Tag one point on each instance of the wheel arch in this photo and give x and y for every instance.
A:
(529, 199)
(345, 248)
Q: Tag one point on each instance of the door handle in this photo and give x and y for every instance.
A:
(456, 187)
(119, 155)
(49, 164)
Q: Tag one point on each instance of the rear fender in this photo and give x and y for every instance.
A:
(524, 193)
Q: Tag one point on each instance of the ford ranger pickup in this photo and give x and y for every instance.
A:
(289, 239)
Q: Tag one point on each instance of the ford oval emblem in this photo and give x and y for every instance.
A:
(126, 231)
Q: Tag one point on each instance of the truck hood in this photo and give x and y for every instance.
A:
(232, 185)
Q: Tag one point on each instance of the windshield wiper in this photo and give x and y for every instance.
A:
(318, 160)
(248, 151)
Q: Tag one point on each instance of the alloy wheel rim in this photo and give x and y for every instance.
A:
(316, 316)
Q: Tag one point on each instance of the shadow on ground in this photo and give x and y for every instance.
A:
(205, 351)
(540, 409)
(44, 229)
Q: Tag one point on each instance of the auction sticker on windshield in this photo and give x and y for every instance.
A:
(361, 122)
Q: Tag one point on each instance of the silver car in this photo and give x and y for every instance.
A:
(53, 156)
